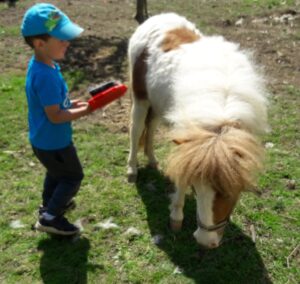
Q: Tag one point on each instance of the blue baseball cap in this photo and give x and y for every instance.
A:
(45, 18)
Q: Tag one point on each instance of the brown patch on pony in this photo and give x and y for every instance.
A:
(139, 76)
(149, 117)
(174, 38)
(223, 206)
(228, 160)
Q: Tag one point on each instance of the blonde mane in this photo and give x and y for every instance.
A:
(227, 160)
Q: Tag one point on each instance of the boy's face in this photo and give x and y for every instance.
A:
(52, 48)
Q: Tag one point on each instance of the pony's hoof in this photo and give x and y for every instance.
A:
(175, 225)
(131, 174)
(131, 178)
(154, 165)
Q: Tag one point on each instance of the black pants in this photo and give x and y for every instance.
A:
(63, 177)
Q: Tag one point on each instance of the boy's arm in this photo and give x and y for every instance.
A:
(79, 103)
(57, 115)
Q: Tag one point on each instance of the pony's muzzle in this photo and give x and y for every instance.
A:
(208, 240)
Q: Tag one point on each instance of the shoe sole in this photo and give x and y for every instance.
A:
(39, 227)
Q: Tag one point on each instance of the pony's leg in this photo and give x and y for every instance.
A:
(138, 115)
(176, 209)
(149, 152)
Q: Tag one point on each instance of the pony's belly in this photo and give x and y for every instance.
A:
(160, 100)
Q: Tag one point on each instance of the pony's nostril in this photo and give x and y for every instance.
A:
(213, 245)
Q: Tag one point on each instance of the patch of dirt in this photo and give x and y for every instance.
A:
(100, 54)
(275, 40)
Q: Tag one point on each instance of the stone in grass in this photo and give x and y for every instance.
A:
(157, 239)
(31, 164)
(178, 270)
(107, 224)
(269, 145)
(131, 231)
(291, 184)
(16, 224)
(78, 224)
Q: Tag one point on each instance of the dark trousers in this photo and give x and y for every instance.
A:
(63, 177)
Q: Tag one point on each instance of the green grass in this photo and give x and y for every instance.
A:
(226, 9)
(9, 31)
(256, 7)
(268, 3)
(112, 257)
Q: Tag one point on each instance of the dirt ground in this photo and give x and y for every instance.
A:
(100, 53)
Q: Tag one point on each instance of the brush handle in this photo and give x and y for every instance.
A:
(106, 96)
(102, 87)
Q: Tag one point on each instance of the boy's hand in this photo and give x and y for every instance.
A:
(57, 115)
(81, 104)
(77, 103)
(86, 106)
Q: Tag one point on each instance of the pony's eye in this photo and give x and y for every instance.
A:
(240, 155)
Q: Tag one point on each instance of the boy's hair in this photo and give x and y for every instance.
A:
(29, 39)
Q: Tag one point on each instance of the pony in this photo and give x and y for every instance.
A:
(213, 99)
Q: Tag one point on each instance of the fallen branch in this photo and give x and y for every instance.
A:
(292, 254)
(253, 233)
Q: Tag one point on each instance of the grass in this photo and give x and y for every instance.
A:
(112, 256)
(268, 3)
(227, 9)
(9, 31)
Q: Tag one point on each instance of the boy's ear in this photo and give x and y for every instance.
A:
(38, 43)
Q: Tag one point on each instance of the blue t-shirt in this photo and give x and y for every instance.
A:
(45, 86)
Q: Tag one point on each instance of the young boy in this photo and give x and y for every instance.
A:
(48, 30)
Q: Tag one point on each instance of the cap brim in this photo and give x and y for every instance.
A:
(67, 32)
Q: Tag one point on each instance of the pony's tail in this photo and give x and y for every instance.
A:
(227, 158)
(144, 137)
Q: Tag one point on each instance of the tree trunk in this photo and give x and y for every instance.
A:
(11, 3)
(141, 11)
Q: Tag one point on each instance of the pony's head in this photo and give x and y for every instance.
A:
(218, 165)
(213, 214)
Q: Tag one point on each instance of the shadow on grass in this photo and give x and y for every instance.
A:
(236, 261)
(64, 260)
(95, 59)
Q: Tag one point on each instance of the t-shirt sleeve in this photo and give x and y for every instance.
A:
(48, 89)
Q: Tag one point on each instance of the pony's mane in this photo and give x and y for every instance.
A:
(228, 159)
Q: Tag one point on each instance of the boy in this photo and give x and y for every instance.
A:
(48, 30)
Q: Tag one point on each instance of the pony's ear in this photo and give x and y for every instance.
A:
(180, 141)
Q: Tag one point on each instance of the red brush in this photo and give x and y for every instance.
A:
(105, 94)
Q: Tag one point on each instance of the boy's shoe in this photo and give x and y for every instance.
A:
(59, 225)
(70, 206)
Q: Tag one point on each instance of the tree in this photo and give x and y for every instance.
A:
(141, 11)
(12, 3)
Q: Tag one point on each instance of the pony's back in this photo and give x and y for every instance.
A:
(215, 82)
(206, 79)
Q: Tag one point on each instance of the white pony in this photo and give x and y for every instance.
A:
(214, 101)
